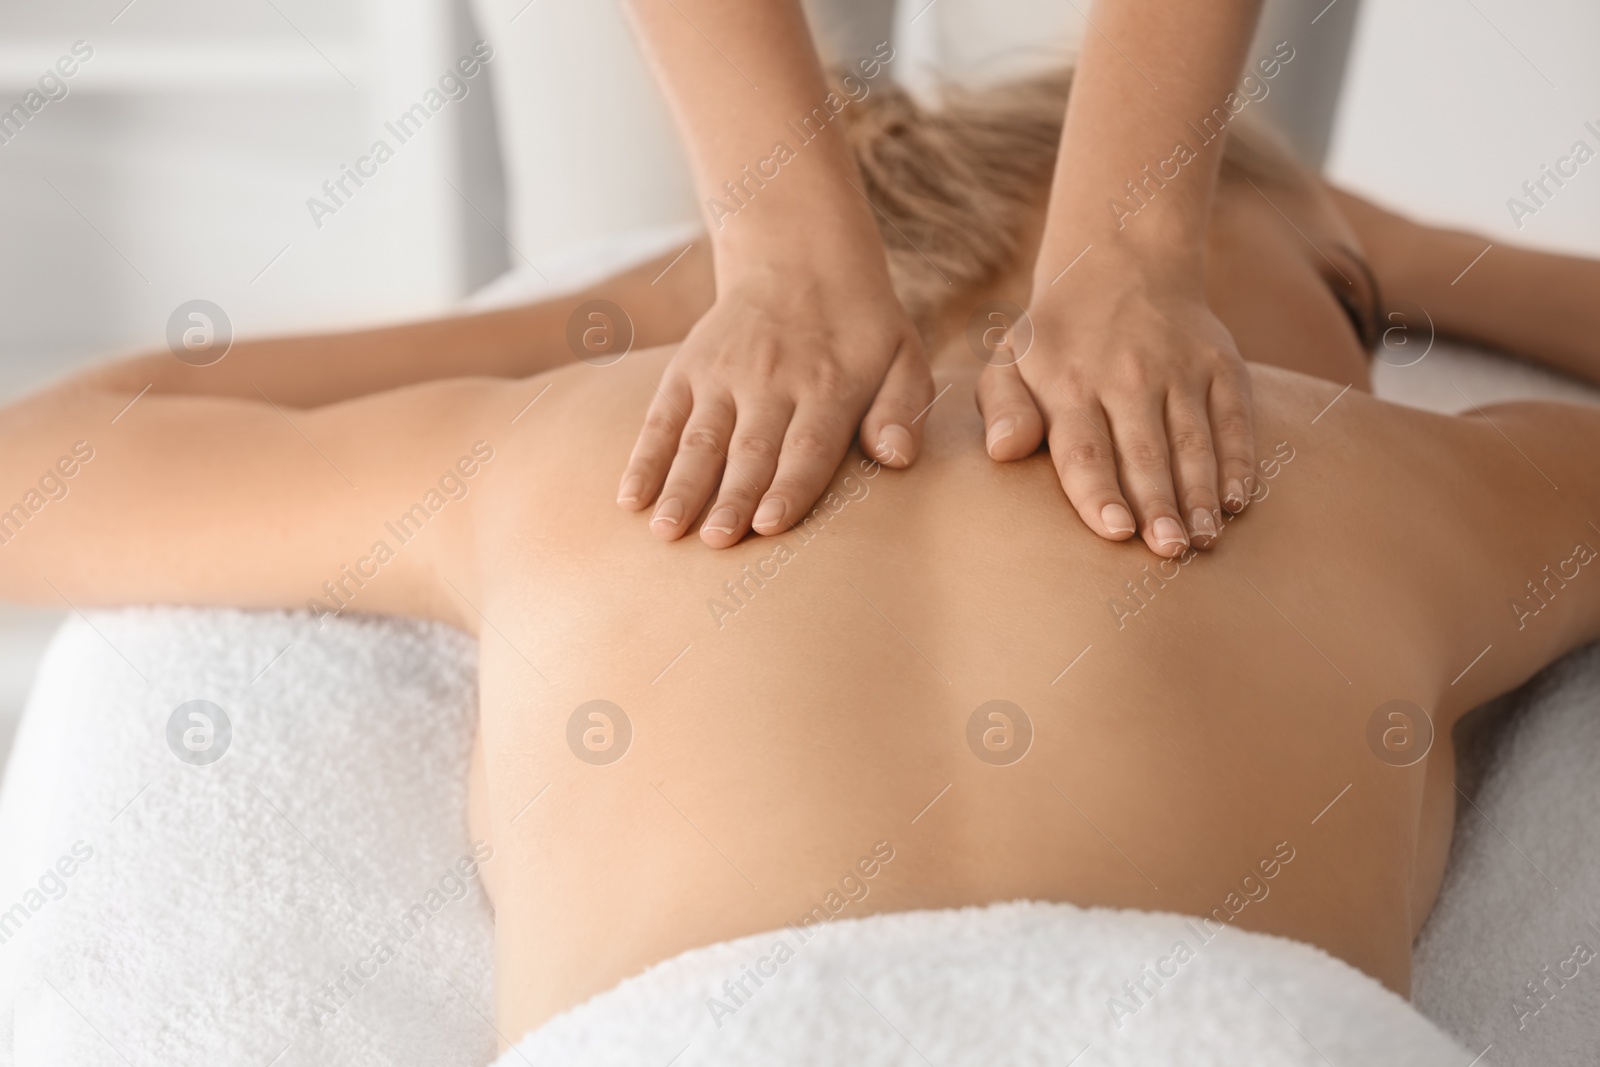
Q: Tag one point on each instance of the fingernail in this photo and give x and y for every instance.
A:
(1168, 532)
(722, 521)
(1116, 518)
(894, 445)
(670, 512)
(1202, 523)
(629, 493)
(1234, 498)
(1002, 429)
(770, 513)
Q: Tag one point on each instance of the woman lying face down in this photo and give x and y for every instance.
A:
(938, 688)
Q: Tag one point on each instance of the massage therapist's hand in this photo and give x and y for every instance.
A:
(1138, 386)
(760, 403)
(1143, 397)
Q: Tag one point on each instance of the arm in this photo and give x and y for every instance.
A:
(307, 372)
(1537, 305)
(806, 339)
(222, 501)
(1138, 386)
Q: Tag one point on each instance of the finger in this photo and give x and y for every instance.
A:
(1194, 468)
(1233, 431)
(656, 445)
(752, 461)
(1080, 447)
(1013, 427)
(702, 452)
(818, 438)
(891, 432)
(1138, 427)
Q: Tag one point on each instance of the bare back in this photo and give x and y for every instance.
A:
(796, 708)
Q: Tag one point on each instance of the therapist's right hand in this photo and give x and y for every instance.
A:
(759, 405)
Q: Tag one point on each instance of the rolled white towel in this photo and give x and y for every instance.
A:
(1018, 983)
(308, 897)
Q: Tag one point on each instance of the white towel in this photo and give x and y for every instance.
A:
(1014, 984)
(217, 902)
(1522, 891)
(203, 924)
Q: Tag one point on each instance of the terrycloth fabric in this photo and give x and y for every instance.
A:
(203, 923)
(212, 911)
(1016, 984)
(1521, 896)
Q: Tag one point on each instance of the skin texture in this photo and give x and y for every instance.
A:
(1134, 372)
(1192, 725)
(805, 340)
(1131, 369)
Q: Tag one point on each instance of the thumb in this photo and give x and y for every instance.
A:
(1012, 425)
(891, 433)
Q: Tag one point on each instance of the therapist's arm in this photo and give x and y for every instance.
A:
(806, 341)
(1137, 384)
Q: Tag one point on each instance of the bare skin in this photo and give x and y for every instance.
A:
(1175, 747)
(806, 340)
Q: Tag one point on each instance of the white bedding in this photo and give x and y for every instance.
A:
(215, 905)
(209, 906)
(1016, 984)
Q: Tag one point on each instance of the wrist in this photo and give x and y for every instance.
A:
(812, 198)
(816, 246)
(1083, 263)
(799, 277)
(1171, 225)
(1169, 245)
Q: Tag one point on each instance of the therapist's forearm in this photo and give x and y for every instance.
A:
(1149, 69)
(740, 75)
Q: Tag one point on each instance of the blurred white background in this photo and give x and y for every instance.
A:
(180, 162)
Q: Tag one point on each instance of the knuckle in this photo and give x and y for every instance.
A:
(753, 447)
(1233, 424)
(765, 359)
(699, 439)
(1076, 393)
(661, 424)
(1135, 375)
(1234, 382)
(1191, 444)
(809, 445)
(828, 380)
(1087, 454)
(1144, 454)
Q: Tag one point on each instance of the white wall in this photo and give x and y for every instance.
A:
(180, 164)
(1450, 105)
(590, 149)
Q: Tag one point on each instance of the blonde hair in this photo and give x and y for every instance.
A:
(956, 188)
